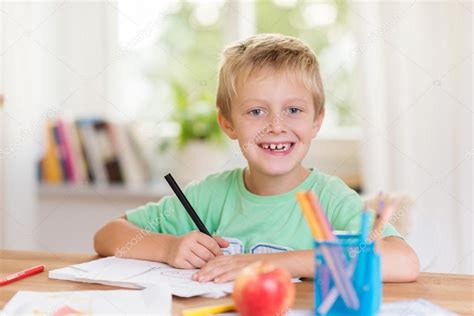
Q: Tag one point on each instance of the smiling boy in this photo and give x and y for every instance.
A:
(271, 100)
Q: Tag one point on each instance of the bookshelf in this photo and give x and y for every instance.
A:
(91, 171)
(93, 151)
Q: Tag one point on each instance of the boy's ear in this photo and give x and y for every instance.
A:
(226, 126)
(318, 121)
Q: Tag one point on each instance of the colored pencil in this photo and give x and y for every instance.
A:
(209, 310)
(384, 212)
(363, 240)
(21, 275)
(331, 298)
(309, 215)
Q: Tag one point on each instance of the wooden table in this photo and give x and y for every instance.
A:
(451, 291)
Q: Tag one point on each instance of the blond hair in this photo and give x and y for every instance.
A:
(277, 52)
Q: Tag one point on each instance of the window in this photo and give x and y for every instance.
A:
(325, 27)
(172, 51)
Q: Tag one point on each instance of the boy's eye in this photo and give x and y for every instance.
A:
(256, 112)
(293, 110)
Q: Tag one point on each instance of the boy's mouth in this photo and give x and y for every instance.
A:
(277, 147)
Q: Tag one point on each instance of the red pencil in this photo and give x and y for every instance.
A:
(21, 275)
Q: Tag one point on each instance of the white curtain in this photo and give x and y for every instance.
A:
(54, 56)
(415, 99)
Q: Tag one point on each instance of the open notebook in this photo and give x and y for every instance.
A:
(138, 274)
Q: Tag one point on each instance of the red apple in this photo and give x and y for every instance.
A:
(261, 289)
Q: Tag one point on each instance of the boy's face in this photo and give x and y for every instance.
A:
(273, 118)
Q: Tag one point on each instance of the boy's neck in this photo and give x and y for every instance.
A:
(261, 184)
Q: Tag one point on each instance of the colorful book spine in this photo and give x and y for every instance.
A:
(50, 164)
(78, 160)
(66, 152)
(134, 173)
(91, 151)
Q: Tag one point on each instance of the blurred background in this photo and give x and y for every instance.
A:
(100, 99)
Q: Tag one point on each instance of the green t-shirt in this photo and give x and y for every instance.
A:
(254, 223)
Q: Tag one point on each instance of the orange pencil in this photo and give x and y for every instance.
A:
(320, 217)
(309, 215)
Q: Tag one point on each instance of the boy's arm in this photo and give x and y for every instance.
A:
(121, 238)
(399, 263)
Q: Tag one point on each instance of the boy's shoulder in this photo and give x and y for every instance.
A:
(218, 181)
(331, 186)
(324, 180)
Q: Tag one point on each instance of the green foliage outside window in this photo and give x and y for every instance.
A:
(187, 54)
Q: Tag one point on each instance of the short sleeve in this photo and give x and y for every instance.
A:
(166, 216)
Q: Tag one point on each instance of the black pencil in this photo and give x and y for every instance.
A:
(182, 198)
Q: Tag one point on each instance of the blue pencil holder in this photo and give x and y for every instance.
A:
(362, 266)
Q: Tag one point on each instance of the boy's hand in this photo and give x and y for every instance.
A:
(194, 250)
(224, 268)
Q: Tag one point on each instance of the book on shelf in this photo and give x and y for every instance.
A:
(51, 170)
(92, 151)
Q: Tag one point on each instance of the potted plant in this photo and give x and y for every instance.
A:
(199, 148)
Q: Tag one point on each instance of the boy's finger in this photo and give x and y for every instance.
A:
(206, 275)
(210, 243)
(222, 242)
(196, 261)
(185, 264)
(226, 277)
(202, 252)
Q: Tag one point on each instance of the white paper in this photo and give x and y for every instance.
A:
(133, 273)
(419, 307)
(150, 301)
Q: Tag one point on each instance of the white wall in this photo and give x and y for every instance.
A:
(2, 133)
(19, 145)
(70, 219)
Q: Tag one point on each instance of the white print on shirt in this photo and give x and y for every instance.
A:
(268, 248)
(237, 246)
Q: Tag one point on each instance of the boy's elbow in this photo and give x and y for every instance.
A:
(409, 265)
(98, 242)
(104, 238)
(413, 267)
(401, 263)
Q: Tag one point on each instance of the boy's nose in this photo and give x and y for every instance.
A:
(277, 125)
